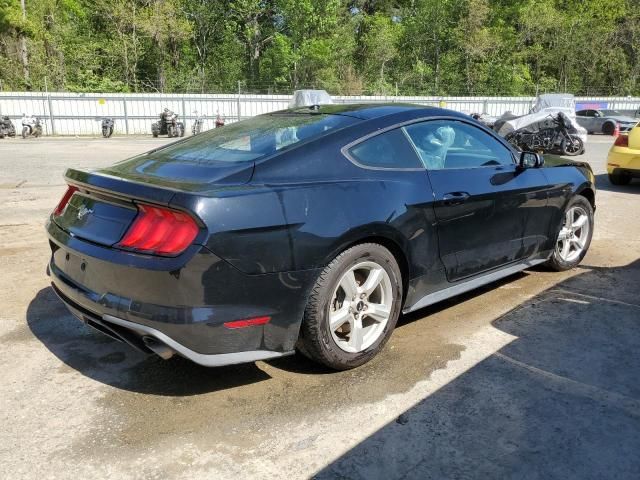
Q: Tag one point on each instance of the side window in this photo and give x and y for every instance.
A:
(447, 144)
(387, 150)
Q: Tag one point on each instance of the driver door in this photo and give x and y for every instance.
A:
(489, 213)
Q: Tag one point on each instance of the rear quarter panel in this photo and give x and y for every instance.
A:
(303, 208)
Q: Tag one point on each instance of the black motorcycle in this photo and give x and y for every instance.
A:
(168, 125)
(7, 129)
(31, 126)
(557, 135)
(107, 127)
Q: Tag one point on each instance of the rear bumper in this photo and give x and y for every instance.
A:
(184, 309)
(150, 340)
(623, 160)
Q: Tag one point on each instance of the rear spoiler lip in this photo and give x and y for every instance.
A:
(120, 187)
(133, 191)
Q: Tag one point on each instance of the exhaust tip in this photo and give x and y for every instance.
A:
(159, 348)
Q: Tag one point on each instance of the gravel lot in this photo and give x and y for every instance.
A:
(533, 377)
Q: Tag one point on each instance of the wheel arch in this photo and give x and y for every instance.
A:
(390, 240)
(588, 193)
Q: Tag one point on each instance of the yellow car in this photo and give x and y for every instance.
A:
(623, 162)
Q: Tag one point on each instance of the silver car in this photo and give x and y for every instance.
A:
(604, 121)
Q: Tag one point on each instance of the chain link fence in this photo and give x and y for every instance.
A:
(82, 113)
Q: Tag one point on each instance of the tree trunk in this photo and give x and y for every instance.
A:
(24, 57)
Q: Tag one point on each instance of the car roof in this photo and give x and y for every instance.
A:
(368, 111)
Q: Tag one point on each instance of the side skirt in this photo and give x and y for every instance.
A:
(463, 287)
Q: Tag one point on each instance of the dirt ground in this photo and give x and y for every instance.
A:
(532, 377)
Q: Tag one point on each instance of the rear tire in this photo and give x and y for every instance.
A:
(348, 320)
(619, 179)
(575, 235)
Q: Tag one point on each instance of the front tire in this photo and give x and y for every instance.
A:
(609, 128)
(575, 235)
(25, 132)
(572, 146)
(353, 307)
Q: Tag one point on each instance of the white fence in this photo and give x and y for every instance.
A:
(81, 114)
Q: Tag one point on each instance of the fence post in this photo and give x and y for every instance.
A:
(53, 127)
(485, 107)
(184, 112)
(238, 105)
(126, 115)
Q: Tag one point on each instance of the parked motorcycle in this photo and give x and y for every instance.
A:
(107, 127)
(168, 125)
(31, 126)
(196, 128)
(7, 129)
(219, 121)
(554, 136)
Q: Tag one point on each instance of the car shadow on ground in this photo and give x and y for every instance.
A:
(562, 400)
(113, 363)
(118, 365)
(603, 183)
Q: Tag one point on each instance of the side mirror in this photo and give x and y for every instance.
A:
(530, 160)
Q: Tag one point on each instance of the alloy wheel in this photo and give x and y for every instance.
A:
(574, 234)
(360, 307)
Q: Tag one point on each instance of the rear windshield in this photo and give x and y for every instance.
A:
(251, 139)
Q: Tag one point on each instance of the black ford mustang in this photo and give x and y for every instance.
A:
(308, 229)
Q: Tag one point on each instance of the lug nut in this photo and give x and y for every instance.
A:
(363, 295)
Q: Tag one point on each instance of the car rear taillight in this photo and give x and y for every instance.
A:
(159, 231)
(65, 200)
(622, 141)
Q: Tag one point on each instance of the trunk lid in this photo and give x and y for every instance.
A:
(96, 218)
(104, 206)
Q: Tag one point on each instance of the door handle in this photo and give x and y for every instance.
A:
(455, 198)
